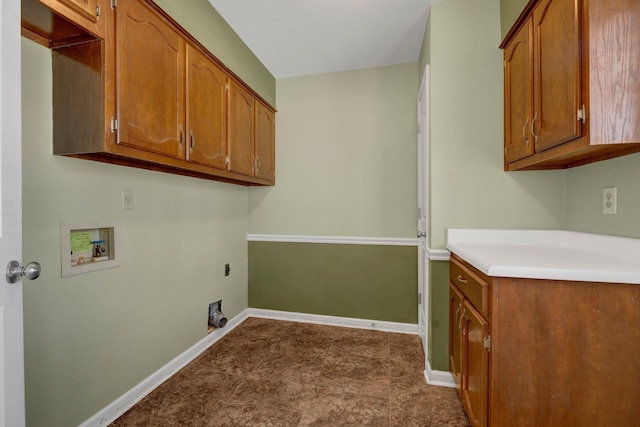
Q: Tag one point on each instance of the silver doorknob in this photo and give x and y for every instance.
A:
(422, 234)
(30, 271)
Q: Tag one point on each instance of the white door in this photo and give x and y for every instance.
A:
(11, 347)
(423, 211)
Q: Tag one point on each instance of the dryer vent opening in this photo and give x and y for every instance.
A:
(217, 318)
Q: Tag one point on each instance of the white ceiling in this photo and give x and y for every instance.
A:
(301, 37)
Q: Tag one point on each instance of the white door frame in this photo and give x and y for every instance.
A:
(423, 211)
(12, 407)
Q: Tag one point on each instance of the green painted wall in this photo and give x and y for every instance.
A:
(346, 156)
(346, 166)
(439, 310)
(584, 197)
(92, 337)
(358, 281)
(509, 12)
(206, 25)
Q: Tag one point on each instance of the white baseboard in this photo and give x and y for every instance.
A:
(378, 325)
(439, 378)
(125, 402)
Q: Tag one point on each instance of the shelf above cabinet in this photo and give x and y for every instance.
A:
(54, 27)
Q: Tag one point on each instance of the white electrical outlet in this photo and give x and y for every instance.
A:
(127, 199)
(610, 200)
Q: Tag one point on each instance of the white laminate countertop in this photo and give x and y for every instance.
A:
(548, 254)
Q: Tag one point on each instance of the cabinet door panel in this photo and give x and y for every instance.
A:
(557, 72)
(150, 81)
(206, 110)
(518, 93)
(241, 130)
(265, 143)
(455, 342)
(475, 369)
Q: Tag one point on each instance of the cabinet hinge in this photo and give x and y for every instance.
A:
(226, 87)
(227, 161)
(114, 4)
(98, 10)
(582, 114)
(114, 125)
(487, 342)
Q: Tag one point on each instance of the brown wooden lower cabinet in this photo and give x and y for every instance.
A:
(535, 352)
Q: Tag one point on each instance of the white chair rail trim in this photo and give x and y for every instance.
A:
(434, 254)
(345, 240)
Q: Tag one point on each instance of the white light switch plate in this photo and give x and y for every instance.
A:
(127, 199)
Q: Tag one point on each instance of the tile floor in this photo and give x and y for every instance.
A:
(277, 373)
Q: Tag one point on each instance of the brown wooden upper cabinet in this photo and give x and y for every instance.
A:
(206, 110)
(265, 158)
(150, 81)
(241, 130)
(251, 135)
(518, 89)
(571, 95)
(147, 94)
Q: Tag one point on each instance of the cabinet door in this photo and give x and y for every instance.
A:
(518, 95)
(241, 129)
(265, 143)
(206, 110)
(150, 81)
(455, 341)
(475, 365)
(557, 72)
(81, 12)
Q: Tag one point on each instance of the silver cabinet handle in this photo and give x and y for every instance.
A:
(524, 127)
(533, 127)
(461, 279)
(181, 135)
(193, 141)
(462, 316)
(456, 316)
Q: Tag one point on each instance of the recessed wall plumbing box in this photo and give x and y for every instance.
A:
(217, 318)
